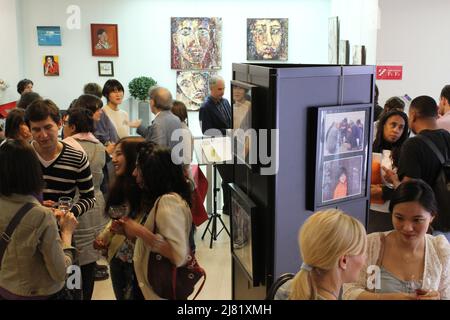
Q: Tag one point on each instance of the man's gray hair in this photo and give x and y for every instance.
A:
(161, 96)
(214, 79)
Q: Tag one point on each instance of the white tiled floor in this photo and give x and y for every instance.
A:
(215, 261)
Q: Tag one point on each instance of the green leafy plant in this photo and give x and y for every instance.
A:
(139, 86)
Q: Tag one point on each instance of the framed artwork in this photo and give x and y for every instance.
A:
(359, 55)
(192, 88)
(244, 233)
(245, 141)
(105, 69)
(344, 52)
(267, 39)
(196, 43)
(333, 40)
(104, 40)
(49, 36)
(51, 66)
(339, 136)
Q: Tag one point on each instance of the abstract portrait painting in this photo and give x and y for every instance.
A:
(196, 43)
(192, 87)
(267, 39)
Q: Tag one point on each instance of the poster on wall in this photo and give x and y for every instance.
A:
(196, 43)
(104, 40)
(192, 88)
(359, 55)
(51, 66)
(333, 40)
(49, 36)
(267, 39)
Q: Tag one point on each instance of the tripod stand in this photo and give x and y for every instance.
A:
(214, 215)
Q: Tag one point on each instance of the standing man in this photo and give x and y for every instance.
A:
(417, 161)
(215, 113)
(165, 122)
(65, 169)
(444, 109)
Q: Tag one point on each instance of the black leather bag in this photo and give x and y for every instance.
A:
(170, 282)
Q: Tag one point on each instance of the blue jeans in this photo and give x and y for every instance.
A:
(124, 281)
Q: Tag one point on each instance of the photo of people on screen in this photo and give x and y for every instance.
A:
(242, 245)
(342, 178)
(343, 132)
(242, 120)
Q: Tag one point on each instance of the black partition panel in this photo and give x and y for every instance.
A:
(287, 92)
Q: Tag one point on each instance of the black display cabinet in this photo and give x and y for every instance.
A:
(303, 103)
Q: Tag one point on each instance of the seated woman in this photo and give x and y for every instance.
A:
(39, 271)
(15, 126)
(407, 262)
(169, 192)
(332, 246)
(391, 134)
(124, 190)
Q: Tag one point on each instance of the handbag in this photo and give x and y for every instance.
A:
(170, 282)
(199, 214)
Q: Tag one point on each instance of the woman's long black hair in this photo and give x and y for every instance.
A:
(381, 144)
(160, 175)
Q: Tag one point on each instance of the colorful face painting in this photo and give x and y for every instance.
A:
(192, 88)
(196, 43)
(267, 39)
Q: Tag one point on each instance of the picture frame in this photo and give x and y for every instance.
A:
(51, 65)
(344, 52)
(104, 40)
(337, 168)
(333, 40)
(243, 100)
(49, 35)
(244, 234)
(105, 69)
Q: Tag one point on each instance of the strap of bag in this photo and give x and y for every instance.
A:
(7, 234)
(433, 147)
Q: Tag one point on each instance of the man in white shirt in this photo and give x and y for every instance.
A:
(113, 92)
(444, 109)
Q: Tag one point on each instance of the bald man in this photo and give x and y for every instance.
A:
(165, 121)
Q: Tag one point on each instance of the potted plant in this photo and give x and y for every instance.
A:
(138, 88)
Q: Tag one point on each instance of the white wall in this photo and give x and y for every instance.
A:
(358, 24)
(144, 38)
(9, 50)
(414, 34)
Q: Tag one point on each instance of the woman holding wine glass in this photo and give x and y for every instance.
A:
(124, 199)
(406, 263)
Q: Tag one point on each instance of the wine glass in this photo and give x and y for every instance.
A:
(118, 211)
(65, 204)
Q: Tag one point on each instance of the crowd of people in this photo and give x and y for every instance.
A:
(117, 183)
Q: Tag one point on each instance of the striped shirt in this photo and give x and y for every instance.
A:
(67, 173)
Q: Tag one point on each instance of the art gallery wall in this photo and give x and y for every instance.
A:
(9, 49)
(414, 35)
(144, 38)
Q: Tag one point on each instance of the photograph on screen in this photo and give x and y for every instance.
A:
(342, 178)
(342, 132)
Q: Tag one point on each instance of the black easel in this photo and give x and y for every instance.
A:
(214, 215)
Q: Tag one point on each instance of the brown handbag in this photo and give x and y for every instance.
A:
(170, 282)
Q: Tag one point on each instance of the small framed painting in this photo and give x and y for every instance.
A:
(105, 69)
(104, 40)
(49, 36)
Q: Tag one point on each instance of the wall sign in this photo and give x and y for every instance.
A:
(389, 72)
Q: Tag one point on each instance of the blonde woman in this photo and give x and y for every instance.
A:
(332, 246)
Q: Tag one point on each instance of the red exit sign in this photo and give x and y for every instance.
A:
(389, 72)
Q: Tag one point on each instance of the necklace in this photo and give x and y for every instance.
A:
(329, 291)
